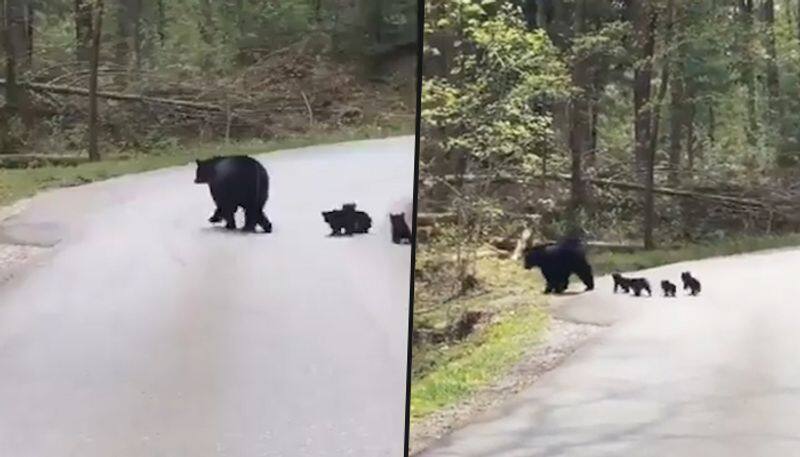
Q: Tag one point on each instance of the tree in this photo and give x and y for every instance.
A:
(579, 129)
(83, 30)
(129, 43)
(97, 27)
(644, 20)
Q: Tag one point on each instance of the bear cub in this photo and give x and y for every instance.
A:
(621, 282)
(347, 221)
(690, 282)
(236, 182)
(637, 285)
(401, 234)
(559, 261)
(668, 288)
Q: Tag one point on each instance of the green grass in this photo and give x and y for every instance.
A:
(478, 363)
(16, 184)
(445, 374)
(607, 262)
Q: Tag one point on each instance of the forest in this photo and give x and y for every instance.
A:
(640, 126)
(91, 79)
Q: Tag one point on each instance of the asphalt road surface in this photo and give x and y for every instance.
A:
(148, 332)
(706, 376)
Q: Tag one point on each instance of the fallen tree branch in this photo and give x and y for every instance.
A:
(511, 245)
(68, 90)
(601, 183)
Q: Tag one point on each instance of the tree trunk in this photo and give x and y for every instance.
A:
(128, 48)
(29, 32)
(372, 19)
(677, 123)
(15, 45)
(317, 11)
(579, 132)
(97, 27)
(712, 123)
(594, 109)
(207, 23)
(649, 206)
(161, 24)
(83, 30)
(691, 138)
(644, 24)
(773, 83)
(798, 20)
(748, 72)
(12, 87)
(18, 26)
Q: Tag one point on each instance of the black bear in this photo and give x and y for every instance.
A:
(347, 220)
(400, 231)
(690, 282)
(621, 282)
(668, 288)
(558, 261)
(640, 284)
(234, 182)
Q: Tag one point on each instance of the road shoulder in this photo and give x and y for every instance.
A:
(563, 339)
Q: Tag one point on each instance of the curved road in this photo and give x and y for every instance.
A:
(149, 333)
(716, 375)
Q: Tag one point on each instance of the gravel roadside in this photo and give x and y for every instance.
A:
(563, 339)
(13, 257)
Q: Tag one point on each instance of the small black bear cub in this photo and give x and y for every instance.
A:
(400, 231)
(234, 182)
(558, 261)
(668, 288)
(621, 282)
(638, 285)
(690, 282)
(347, 220)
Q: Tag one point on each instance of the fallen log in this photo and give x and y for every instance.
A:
(505, 179)
(68, 90)
(510, 244)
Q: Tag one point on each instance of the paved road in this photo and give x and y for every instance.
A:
(707, 376)
(149, 333)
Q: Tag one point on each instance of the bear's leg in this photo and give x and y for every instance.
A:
(265, 223)
(250, 220)
(562, 283)
(549, 279)
(584, 272)
(229, 215)
(216, 217)
(349, 226)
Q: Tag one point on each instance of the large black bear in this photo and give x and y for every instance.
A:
(558, 261)
(347, 221)
(234, 182)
